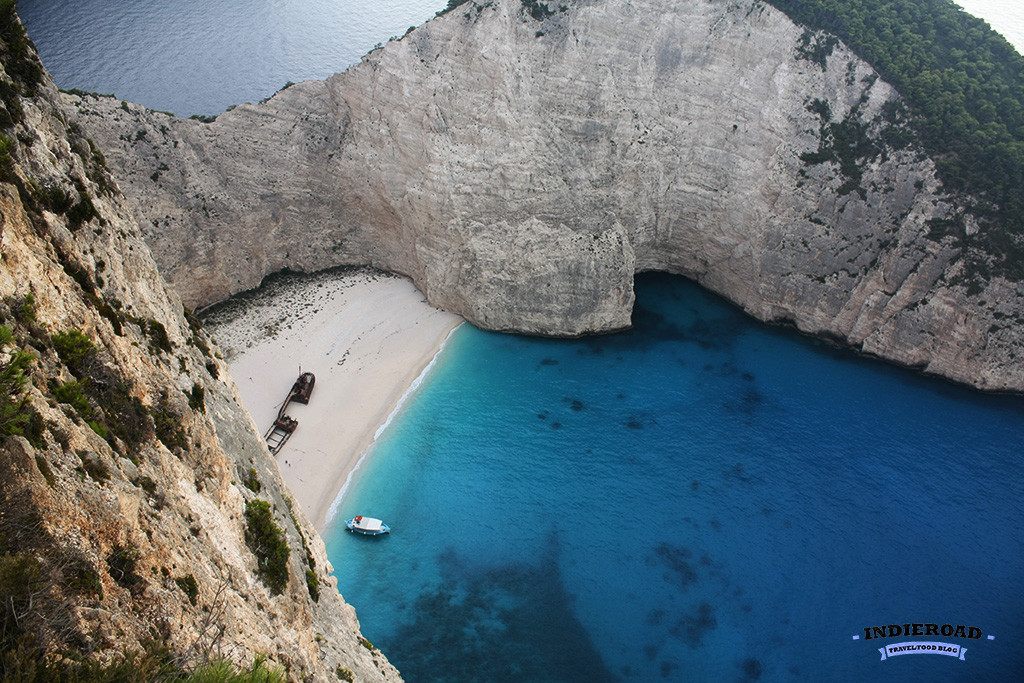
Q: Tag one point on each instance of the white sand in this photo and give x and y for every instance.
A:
(365, 335)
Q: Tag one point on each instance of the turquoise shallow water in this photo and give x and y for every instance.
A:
(702, 497)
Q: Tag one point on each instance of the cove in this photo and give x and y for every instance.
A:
(701, 496)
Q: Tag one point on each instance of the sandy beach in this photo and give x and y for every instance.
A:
(366, 335)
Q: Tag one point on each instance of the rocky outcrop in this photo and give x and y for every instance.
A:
(125, 526)
(521, 162)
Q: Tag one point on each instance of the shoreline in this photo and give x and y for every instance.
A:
(369, 338)
(332, 508)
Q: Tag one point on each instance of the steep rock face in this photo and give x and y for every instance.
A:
(522, 170)
(123, 457)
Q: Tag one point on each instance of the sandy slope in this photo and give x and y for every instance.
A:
(366, 336)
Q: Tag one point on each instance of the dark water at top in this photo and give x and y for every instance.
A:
(202, 56)
(702, 498)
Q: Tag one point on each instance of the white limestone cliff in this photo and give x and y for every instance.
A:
(522, 170)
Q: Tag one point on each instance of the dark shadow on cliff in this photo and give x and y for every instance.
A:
(671, 308)
(499, 623)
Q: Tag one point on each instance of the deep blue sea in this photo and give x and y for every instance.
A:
(702, 498)
(202, 56)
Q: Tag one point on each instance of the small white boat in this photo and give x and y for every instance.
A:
(367, 525)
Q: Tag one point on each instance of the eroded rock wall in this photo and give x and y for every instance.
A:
(522, 170)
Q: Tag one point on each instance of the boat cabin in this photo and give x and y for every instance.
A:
(303, 387)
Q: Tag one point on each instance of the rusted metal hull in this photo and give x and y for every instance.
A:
(284, 426)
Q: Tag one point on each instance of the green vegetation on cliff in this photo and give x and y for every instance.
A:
(14, 365)
(266, 539)
(965, 86)
(19, 59)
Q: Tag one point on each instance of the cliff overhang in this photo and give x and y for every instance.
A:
(522, 168)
